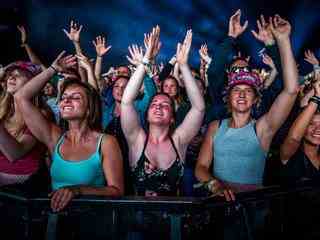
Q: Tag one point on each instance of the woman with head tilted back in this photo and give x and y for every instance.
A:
(237, 147)
(19, 150)
(157, 155)
(84, 161)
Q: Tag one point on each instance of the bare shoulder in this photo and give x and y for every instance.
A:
(213, 127)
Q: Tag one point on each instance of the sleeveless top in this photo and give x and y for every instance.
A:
(163, 182)
(27, 164)
(238, 156)
(84, 172)
(299, 167)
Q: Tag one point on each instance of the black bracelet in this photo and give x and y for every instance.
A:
(315, 99)
(54, 69)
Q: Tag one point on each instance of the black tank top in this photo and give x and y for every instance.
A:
(163, 182)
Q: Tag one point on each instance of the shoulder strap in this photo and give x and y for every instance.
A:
(174, 147)
(145, 143)
(100, 142)
(61, 138)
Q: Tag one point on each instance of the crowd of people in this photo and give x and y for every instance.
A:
(151, 129)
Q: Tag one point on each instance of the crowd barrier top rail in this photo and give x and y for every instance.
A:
(12, 195)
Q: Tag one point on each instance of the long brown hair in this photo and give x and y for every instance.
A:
(7, 107)
(94, 104)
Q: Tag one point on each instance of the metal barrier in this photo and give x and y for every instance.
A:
(175, 207)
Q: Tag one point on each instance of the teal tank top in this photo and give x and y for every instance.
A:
(84, 172)
(238, 156)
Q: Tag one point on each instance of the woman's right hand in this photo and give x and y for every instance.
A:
(218, 188)
(61, 197)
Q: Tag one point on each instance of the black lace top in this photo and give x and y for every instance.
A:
(162, 182)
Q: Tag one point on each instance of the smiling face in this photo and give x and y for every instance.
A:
(74, 103)
(49, 90)
(160, 111)
(170, 87)
(15, 80)
(312, 134)
(118, 88)
(241, 98)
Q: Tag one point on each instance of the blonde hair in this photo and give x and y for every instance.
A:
(7, 110)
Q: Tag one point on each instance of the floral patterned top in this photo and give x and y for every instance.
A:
(148, 179)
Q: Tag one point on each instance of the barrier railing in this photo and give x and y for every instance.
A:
(175, 207)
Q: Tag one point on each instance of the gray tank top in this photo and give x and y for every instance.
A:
(238, 156)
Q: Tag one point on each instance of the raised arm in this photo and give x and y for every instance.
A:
(193, 120)
(101, 49)
(205, 62)
(44, 130)
(74, 36)
(130, 119)
(280, 109)
(311, 58)
(216, 76)
(273, 73)
(85, 63)
(32, 56)
(298, 128)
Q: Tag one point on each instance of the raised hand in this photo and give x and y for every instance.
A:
(280, 28)
(264, 31)
(235, 27)
(203, 52)
(136, 54)
(23, 35)
(74, 33)
(184, 49)
(84, 62)
(100, 45)
(316, 85)
(62, 63)
(156, 44)
(310, 57)
(152, 43)
(266, 59)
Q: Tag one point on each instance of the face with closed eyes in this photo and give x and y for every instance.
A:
(160, 111)
(242, 97)
(15, 80)
(74, 103)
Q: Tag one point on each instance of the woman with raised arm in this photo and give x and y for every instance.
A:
(20, 155)
(299, 153)
(157, 155)
(84, 161)
(237, 147)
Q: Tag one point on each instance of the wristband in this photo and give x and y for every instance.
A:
(54, 69)
(315, 99)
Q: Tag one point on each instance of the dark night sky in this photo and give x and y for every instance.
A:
(124, 22)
